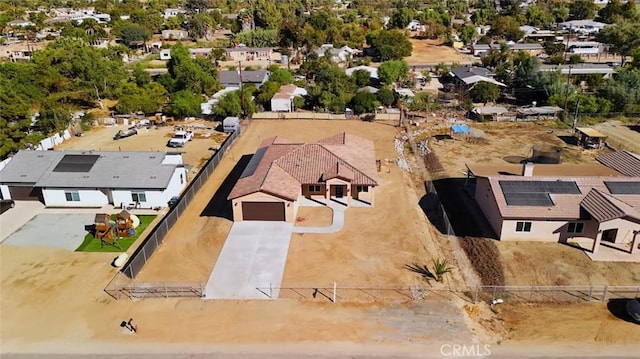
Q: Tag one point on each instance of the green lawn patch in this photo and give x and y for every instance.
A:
(91, 244)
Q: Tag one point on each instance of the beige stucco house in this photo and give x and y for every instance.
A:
(560, 203)
(341, 168)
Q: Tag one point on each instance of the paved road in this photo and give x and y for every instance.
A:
(253, 256)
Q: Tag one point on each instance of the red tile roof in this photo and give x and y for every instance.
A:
(279, 166)
(605, 207)
(566, 206)
(624, 162)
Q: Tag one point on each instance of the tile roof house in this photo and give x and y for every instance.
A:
(624, 162)
(232, 78)
(282, 172)
(93, 179)
(594, 204)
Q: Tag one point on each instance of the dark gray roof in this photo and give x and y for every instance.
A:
(232, 77)
(624, 162)
(111, 170)
(605, 207)
(468, 71)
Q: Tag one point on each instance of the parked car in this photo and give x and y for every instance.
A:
(126, 133)
(180, 138)
(6, 204)
(173, 201)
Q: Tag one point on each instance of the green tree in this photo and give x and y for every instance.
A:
(468, 34)
(392, 71)
(622, 38)
(196, 75)
(364, 102)
(140, 76)
(582, 9)
(266, 15)
(361, 77)
(389, 44)
(506, 27)
(484, 92)
(199, 24)
(183, 104)
(385, 96)
(281, 76)
(229, 105)
(133, 34)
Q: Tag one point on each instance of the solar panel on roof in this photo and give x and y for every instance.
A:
(76, 163)
(556, 187)
(528, 199)
(623, 187)
(253, 163)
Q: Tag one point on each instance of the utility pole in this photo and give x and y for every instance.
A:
(242, 111)
(566, 93)
(575, 114)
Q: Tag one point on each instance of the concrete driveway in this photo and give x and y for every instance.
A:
(16, 217)
(253, 256)
(64, 231)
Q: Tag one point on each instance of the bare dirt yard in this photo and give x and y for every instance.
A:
(623, 136)
(432, 52)
(194, 154)
(314, 217)
(53, 300)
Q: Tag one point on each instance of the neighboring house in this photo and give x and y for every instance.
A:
(173, 12)
(624, 162)
(174, 34)
(282, 101)
(585, 27)
(369, 89)
(373, 71)
(580, 69)
(491, 113)
(415, 25)
(465, 77)
(281, 173)
(93, 179)
(584, 47)
(20, 55)
(243, 53)
(200, 52)
(561, 206)
(165, 54)
(20, 23)
(232, 78)
(483, 49)
(207, 107)
(337, 55)
(537, 113)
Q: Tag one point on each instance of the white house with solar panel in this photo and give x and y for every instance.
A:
(93, 179)
(598, 203)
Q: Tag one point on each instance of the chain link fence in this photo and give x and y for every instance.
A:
(144, 252)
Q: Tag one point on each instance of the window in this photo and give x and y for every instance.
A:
(362, 188)
(523, 226)
(72, 196)
(181, 178)
(575, 227)
(138, 197)
(314, 188)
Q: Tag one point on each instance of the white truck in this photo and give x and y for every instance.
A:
(180, 138)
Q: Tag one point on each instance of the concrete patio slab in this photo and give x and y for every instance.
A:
(253, 256)
(16, 217)
(607, 252)
(64, 231)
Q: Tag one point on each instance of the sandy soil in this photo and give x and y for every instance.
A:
(314, 217)
(620, 136)
(194, 154)
(431, 52)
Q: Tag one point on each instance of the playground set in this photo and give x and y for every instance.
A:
(108, 231)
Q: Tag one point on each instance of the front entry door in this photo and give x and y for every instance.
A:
(339, 191)
(610, 235)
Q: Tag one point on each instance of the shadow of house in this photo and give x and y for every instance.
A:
(219, 205)
(569, 140)
(617, 307)
(466, 218)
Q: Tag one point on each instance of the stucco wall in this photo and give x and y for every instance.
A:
(177, 183)
(154, 198)
(280, 105)
(486, 201)
(546, 231)
(290, 207)
(55, 197)
(625, 229)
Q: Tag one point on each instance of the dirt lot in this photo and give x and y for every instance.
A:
(431, 52)
(194, 154)
(314, 217)
(621, 136)
(351, 256)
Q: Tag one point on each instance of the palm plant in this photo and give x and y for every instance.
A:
(440, 268)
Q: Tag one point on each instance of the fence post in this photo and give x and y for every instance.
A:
(166, 294)
(604, 293)
(271, 290)
(475, 295)
(495, 287)
(591, 292)
(334, 291)
(531, 295)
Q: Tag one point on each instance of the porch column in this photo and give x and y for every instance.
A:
(634, 242)
(596, 243)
